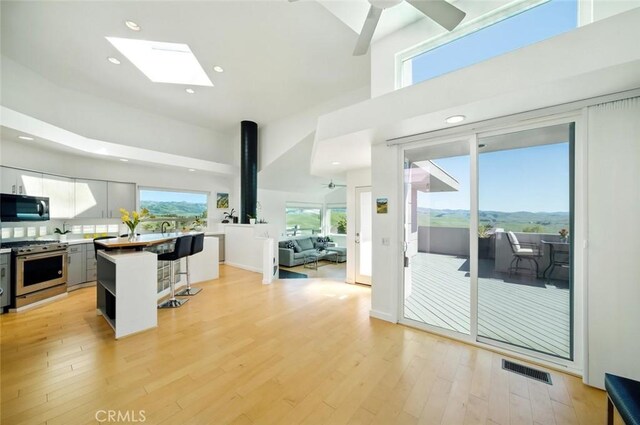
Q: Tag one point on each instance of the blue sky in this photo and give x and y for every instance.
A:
(531, 26)
(532, 179)
(161, 195)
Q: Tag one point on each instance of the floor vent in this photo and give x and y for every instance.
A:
(529, 372)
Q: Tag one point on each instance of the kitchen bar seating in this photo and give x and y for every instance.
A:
(197, 245)
(182, 248)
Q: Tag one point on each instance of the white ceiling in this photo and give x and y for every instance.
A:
(279, 57)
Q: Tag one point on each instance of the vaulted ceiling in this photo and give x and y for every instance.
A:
(278, 57)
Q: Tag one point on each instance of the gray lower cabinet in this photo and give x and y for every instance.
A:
(90, 256)
(220, 247)
(76, 270)
(5, 280)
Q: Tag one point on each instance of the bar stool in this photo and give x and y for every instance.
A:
(181, 249)
(197, 245)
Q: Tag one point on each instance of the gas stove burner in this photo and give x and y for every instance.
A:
(18, 244)
(33, 247)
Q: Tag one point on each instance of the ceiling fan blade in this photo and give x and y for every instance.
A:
(369, 27)
(440, 11)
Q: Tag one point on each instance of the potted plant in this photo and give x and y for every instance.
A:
(484, 240)
(342, 225)
(564, 235)
(229, 217)
(62, 234)
(252, 219)
(132, 220)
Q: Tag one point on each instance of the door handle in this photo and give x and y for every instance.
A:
(20, 190)
(13, 189)
(357, 237)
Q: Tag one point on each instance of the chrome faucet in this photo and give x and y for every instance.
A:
(162, 229)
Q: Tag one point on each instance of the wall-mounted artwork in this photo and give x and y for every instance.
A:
(222, 200)
(381, 205)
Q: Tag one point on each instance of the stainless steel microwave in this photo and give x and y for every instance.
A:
(23, 208)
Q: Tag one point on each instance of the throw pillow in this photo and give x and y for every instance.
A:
(293, 245)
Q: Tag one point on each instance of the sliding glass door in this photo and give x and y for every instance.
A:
(437, 279)
(488, 238)
(524, 273)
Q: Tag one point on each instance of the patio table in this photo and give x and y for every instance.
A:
(558, 257)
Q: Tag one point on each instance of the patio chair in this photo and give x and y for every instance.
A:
(528, 251)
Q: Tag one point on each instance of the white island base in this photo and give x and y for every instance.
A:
(126, 290)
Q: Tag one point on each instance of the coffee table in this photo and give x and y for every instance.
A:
(311, 258)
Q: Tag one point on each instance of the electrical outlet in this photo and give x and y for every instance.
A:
(386, 241)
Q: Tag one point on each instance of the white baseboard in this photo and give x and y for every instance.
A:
(244, 267)
(382, 316)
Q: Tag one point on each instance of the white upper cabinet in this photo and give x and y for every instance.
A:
(20, 182)
(120, 195)
(61, 194)
(90, 198)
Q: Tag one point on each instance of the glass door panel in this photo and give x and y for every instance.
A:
(364, 248)
(437, 220)
(525, 226)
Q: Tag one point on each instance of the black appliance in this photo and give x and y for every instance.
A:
(23, 208)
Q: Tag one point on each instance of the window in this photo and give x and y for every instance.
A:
(303, 219)
(183, 210)
(337, 220)
(512, 32)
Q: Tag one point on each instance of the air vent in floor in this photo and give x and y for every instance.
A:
(529, 372)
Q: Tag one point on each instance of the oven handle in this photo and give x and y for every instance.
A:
(42, 255)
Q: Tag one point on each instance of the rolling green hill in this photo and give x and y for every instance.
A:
(520, 221)
(174, 208)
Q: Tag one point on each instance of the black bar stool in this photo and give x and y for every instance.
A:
(97, 247)
(182, 248)
(197, 245)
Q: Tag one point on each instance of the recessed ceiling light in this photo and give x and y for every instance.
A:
(335, 163)
(113, 60)
(218, 69)
(124, 160)
(163, 62)
(132, 26)
(190, 91)
(455, 119)
(25, 137)
(191, 169)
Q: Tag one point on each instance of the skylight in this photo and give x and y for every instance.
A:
(163, 62)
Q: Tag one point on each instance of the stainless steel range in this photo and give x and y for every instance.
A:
(40, 270)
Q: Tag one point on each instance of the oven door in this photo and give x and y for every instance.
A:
(40, 271)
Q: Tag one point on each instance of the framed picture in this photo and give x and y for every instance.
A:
(381, 205)
(222, 200)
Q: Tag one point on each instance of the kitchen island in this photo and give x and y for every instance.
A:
(129, 282)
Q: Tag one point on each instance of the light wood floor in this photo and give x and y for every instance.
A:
(297, 351)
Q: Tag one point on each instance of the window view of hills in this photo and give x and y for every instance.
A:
(520, 221)
(174, 208)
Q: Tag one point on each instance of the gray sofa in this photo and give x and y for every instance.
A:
(291, 257)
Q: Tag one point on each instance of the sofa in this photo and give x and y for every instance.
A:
(291, 252)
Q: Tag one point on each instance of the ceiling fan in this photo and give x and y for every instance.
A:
(332, 185)
(440, 11)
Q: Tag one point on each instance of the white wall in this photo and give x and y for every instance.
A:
(355, 179)
(29, 93)
(614, 240)
(276, 138)
(29, 156)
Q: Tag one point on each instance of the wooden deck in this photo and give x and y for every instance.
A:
(519, 310)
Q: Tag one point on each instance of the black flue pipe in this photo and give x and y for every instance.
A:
(248, 170)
